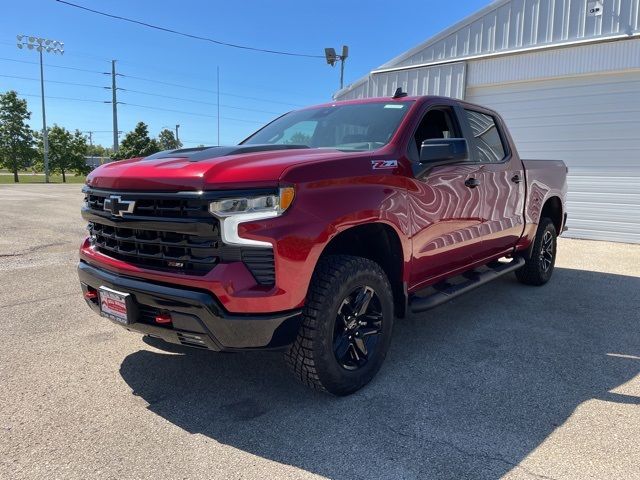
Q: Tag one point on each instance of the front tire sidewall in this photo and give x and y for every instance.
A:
(334, 377)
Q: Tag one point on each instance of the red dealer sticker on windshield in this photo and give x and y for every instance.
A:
(383, 164)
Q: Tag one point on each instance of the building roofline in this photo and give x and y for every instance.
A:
(437, 37)
(445, 33)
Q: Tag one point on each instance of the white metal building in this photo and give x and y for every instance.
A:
(565, 75)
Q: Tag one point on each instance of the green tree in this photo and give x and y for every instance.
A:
(67, 151)
(137, 143)
(99, 151)
(168, 141)
(16, 137)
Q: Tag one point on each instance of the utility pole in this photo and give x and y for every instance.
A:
(177, 137)
(114, 102)
(218, 101)
(40, 45)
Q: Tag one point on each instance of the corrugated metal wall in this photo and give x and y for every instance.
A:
(592, 123)
(526, 23)
(510, 25)
(578, 60)
(446, 80)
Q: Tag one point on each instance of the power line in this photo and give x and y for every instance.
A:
(160, 82)
(63, 98)
(190, 35)
(48, 65)
(54, 81)
(139, 92)
(190, 113)
(198, 101)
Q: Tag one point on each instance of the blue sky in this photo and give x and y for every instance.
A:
(375, 31)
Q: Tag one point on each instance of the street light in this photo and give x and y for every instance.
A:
(49, 46)
(332, 57)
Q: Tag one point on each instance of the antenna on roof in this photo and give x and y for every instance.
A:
(399, 93)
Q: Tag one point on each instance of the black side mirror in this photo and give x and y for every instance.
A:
(444, 150)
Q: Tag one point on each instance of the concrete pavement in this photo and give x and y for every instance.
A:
(509, 381)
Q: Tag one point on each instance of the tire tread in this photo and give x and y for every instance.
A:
(325, 284)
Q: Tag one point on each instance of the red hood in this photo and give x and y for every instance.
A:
(233, 171)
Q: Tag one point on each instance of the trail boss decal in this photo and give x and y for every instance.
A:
(383, 164)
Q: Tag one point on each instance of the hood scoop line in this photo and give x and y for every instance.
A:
(207, 153)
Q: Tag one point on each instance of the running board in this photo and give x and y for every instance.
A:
(444, 291)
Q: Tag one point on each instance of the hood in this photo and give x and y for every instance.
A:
(207, 168)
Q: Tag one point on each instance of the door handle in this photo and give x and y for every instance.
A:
(472, 182)
(516, 178)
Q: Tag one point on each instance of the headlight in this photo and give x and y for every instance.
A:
(277, 203)
(234, 211)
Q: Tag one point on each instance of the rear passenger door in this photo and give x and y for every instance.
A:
(502, 183)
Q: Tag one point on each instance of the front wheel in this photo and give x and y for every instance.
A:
(538, 269)
(346, 325)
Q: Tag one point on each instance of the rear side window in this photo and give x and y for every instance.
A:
(487, 137)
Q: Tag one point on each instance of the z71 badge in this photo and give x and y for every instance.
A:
(383, 164)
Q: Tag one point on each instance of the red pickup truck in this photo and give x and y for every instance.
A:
(318, 231)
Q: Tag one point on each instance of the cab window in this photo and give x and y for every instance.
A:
(436, 123)
(489, 145)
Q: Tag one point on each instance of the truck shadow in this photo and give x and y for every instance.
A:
(468, 390)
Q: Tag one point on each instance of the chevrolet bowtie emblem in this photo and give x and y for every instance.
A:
(117, 206)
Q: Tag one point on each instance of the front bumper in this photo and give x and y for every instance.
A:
(198, 319)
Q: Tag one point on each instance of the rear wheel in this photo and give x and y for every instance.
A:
(538, 269)
(346, 327)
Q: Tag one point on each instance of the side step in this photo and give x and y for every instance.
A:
(444, 291)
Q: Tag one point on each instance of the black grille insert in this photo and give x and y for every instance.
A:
(158, 250)
(145, 206)
(261, 263)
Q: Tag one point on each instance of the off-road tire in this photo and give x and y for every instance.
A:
(534, 271)
(311, 357)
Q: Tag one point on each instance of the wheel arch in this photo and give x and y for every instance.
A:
(553, 209)
(378, 242)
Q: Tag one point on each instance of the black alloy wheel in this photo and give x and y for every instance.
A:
(546, 251)
(358, 327)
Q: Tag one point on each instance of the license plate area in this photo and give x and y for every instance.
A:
(115, 305)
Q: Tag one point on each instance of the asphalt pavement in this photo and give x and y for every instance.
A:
(508, 381)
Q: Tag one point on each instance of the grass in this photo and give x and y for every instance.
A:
(39, 178)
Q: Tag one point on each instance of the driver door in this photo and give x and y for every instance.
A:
(444, 204)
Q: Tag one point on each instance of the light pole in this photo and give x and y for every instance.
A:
(50, 46)
(332, 57)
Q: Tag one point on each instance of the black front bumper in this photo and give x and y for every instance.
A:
(197, 318)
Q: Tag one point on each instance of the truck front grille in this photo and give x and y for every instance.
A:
(157, 249)
(168, 232)
(150, 206)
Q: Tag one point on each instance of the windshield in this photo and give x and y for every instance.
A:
(351, 127)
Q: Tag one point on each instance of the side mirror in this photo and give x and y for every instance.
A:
(443, 151)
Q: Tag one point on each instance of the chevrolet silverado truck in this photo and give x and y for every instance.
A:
(318, 231)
